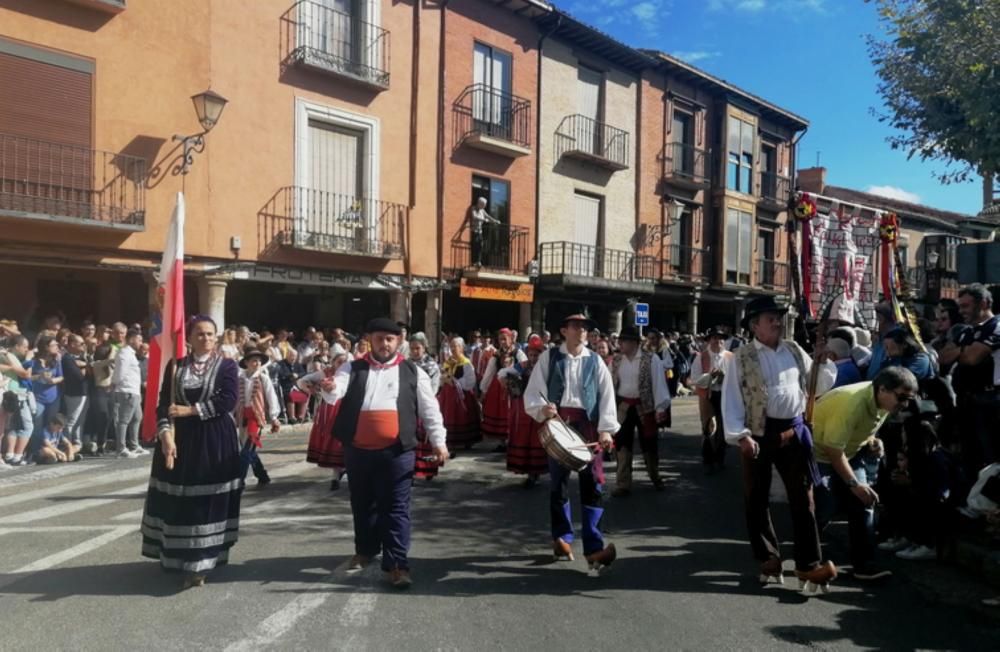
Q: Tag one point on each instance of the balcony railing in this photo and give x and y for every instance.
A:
(685, 263)
(107, 6)
(317, 220)
(505, 250)
(574, 259)
(593, 141)
(686, 163)
(52, 181)
(772, 275)
(338, 42)
(484, 114)
(774, 188)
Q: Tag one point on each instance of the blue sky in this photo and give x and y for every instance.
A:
(808, 56)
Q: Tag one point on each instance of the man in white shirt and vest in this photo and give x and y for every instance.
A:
(642, 398)
(763, 401)
(382, 395)
(575, 384)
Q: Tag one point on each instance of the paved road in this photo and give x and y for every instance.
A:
(71, 576)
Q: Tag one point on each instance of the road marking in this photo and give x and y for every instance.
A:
(47, 474)
(73, 506)
(65, 489)
(56, 528)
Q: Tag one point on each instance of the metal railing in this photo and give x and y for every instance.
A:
(686, 161)
(686, 263)
(505, 249)
(571, 258)
(772, 274)
(68, 181)
(577, 134)
(317, 220)
(774, 187)
(339, 42)
(481, 109)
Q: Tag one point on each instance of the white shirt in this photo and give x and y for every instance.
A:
(628, 380)
(785, 398)
(270, 396)
(127, 377)
(491, 369)
(382, 393)
(716, 360)
(535, 396)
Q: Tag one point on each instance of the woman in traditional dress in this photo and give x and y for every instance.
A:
(192, 511)
(524, 448)
(427, 464)
(496, 403)
(325, 450)
(457, 398)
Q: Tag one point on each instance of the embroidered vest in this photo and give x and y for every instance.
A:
(647, 402)
(753, 387)
(346, 424)
(557, 381)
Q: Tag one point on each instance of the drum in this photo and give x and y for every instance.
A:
(564, 445)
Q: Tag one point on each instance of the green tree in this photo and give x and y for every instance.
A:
(937, 64)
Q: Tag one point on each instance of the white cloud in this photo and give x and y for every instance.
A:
(645, 10)
(694, 56)
(758, 6)
(892, 192)
(751, 5)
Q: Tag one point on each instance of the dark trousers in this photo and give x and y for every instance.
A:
(713, 446)
(980, 436)
(790, 459)
(251, 460)
(645, 425)
(380, 503)
(591, 491)
(833, 495)
(477, 248)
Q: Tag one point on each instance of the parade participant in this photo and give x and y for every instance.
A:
(324, 449)
(258, 405)
(573, 383)
(192, 510)
(642, 397)
(496, 402)
(707, 373)
(656, 344)
(457, 398)
(427, 464)
(382, 397)
(525, 454)
(763, 400)
(604, 351)
(481, 356)
(844, 425)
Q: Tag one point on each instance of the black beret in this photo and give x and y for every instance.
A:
(383, 325)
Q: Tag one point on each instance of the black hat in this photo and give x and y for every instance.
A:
(383, 325)
(251, 352)
(715, 331)
(579, 316)
(759, 306)
(629, 334)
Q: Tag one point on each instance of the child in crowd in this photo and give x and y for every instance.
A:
(55, 446)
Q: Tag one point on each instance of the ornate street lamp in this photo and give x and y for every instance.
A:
(208, 106)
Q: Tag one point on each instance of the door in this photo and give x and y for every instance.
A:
(333, 210)
(582, 258)
(768, 171)
(491, 104)
(588, 133)
(338, 29)
(765, 254)
(683, 153)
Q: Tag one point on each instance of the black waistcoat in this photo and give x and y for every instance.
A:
(346, 424)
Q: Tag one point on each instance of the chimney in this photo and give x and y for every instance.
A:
(812, 180)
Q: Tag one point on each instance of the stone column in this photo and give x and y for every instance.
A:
(538, 316)
(432, 320)
(524, 328)
(212, 298)
(615, 320)
(692, 312)
(399, 306)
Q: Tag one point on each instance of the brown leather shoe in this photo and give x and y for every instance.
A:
(400, 578)
(358, 563)
(818, 578)
(562, 551)
(771, 570)
(602, 559)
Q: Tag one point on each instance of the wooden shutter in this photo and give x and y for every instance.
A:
(42, 101)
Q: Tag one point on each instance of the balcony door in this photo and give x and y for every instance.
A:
(768, 170)
(587, 236)
(334, 204)
(682, 132)
(765, 254)
(496, 237)
(492, 73)
(588, 134)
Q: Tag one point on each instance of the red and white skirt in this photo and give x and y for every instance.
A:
(496, 408)
(424, 468)
(460, 412)
(524, 448)
(325, 450)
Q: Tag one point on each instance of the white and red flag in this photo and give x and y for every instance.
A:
(167, 336)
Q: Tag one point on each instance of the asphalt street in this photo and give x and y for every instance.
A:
(71, 577)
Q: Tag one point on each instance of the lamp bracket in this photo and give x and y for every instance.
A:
(193, 144)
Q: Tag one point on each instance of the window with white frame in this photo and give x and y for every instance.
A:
(739, 162)
(738, 246)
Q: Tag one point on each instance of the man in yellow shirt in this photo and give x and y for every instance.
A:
(844, 425)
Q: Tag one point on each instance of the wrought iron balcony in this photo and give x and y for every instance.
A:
(687, 264)
(774, 190)
(317, 220)
(66, 183)
(325, 39)
(772, 275)
(493, 120)
(592, 141)
(504, 252)
(686, 165)
(571, 263)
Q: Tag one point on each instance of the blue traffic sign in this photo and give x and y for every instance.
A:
(642, 314)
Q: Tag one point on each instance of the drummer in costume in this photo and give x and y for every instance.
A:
(192, 511)
(763, 400)
(573, 383)
(643, 399)
(457, 398)
(383, 396)
(257, 408)
(707, 372)
(496, 402)
(325, 450)
(427, 464)
(525, 454)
